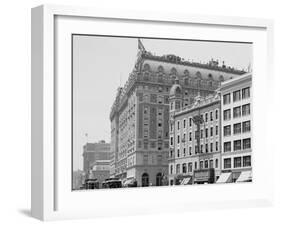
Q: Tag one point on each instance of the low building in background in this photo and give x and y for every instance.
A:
(195, 153)
(93, 152)
(100, 170)
(236, 129)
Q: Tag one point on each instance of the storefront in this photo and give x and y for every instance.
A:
(203, 176)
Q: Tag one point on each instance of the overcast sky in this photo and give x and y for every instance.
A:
(101, 64)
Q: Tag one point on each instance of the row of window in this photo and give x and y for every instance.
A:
(208, 116)
(208, 132)
(238, 162)
(237, 145)
(237, 128)
(203, 148)
(188, 168)
(237, 112)
(236, 95)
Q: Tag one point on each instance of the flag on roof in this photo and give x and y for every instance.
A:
(140, 45)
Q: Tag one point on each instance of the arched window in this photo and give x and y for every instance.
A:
(145, 180)
(198, 75)
(146, 67)
(210, 76)
(160, 69)
(186, 72)
(159, 179)
(174, 71)
(221, 78)
(178, 90)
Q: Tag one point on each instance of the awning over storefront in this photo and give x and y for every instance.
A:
(245, 176)
(185, 181)
(224, 178)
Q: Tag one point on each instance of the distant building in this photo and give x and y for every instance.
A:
(236, 131)
(100, 170)
(140, 113)
(195, 151)
(94, 152)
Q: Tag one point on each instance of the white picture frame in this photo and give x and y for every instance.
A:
(52, 197)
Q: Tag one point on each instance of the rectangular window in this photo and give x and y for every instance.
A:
(246, 143)
(246, 161)
(178, 139)
(217, 130)
(201, 148)
(226, 98)
(195, 165)
(201, 164)
(217, 146)
(190, 122)
(206, 132)
(184, 168)
(190, 136)
(211, 163)
(227, 146)
(237, 145)
(201, 133)
(237, 162)
(206, 148)
(246, 93)
(184, 123)
(183, 139)
(246, 126)
(211, 147)
(211, 131)
(226, 115)
(237, 128)
(246, 109)
(206, 117)
(227, 130)
(211, 116)
(217, 163)
(206, 164)
(178, 125)
(237, 112)
(172, 141)
(227, 163)
(178, 168)
(236, 96)
(217, 114)
(190, 167)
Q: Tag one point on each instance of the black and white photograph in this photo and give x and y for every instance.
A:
(150, 112)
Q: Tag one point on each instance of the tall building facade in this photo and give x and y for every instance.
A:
(236, 132)
(195, 149)
(140, 115)
(93, 152)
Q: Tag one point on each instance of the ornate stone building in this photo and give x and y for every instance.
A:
(140, 113)
(195, 153)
